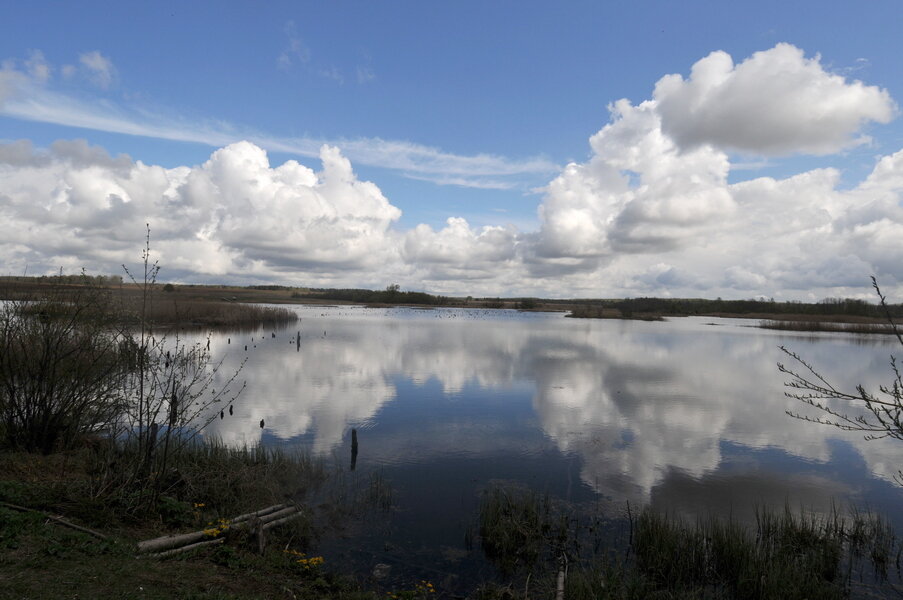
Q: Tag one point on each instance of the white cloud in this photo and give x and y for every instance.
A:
(638, 194)
(38, 67)
(458, 252)
(100, 69)
(235, 214)
(647, 214)
(12, 81)
(773, 103)
(644, 215)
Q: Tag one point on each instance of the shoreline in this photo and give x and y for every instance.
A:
(786, 316)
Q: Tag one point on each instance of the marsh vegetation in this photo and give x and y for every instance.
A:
(549, 550)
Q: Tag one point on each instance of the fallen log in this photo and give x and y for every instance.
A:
(282, 520)
(170, 541)
(186, 548)
(260, 513)
(271, 516)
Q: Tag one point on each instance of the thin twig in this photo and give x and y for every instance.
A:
(57, 519)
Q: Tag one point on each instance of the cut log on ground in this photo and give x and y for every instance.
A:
(186, 548)
(170, 541)
(261, 520)
(261, 512)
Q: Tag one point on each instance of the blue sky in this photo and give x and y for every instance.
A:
(469, 111)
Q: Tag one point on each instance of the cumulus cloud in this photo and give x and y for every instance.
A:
(234, 214)
(638, 194)
(458, 252)
(650, 212)
(775, 102)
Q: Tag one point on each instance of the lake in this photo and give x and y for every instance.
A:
(687, 416)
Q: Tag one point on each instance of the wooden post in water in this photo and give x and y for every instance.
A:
(298, 342)
(353, 448)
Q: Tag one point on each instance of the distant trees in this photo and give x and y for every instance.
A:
(83, 279)
(391, 295)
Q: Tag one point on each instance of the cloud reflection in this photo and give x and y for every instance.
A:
(641, 404)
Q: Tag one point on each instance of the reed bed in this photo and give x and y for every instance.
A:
(168, 312)
(514, 523)
(828, 326)
(784, 554)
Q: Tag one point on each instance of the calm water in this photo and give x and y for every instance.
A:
(686, 415)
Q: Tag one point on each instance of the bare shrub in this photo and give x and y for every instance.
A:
(61, 371)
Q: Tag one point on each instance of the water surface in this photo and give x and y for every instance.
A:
(686, 415)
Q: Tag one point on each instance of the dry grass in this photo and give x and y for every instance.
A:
(815, 325)
(168, 311)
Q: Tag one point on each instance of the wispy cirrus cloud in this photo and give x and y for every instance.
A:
(25, 96)
(485, 184)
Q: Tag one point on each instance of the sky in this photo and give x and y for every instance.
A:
(572, 149)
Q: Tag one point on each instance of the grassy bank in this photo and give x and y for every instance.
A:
(206, 486)
(538, 545)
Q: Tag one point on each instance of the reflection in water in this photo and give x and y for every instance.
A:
(668, 413)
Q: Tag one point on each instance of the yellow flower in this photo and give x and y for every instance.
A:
(308, 563)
